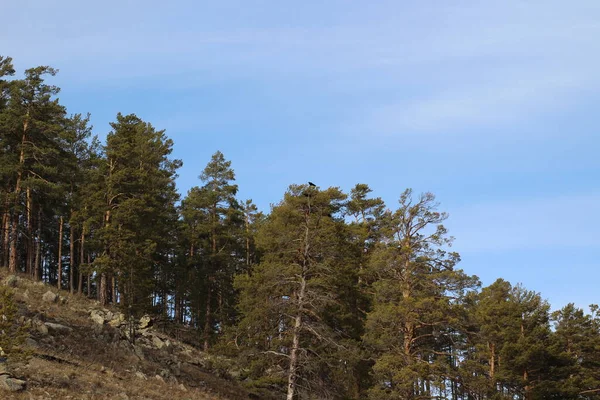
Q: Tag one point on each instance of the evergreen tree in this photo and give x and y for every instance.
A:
(89, 211)
(526, 356)
(252, 218)
(7, 161)
(417, 302)
(139, 194)
(367, 214)
(213, 222)
(81, 182)
(576, 339)
(510, 355)
(324, 297)
(32, 124)
(294, 305)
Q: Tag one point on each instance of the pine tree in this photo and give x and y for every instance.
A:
(81, 156)
(213, 222)
(89, 217)
(139, 194)
(367, 214)
(526, 356)
(32, 124)
(576, 340)
(7, 152)
(417, 300)
(510, 354)
(294, 306)
(252, 218)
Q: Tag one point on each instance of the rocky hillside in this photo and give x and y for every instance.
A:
(79, 350)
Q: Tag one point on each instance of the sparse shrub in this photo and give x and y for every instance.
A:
(12, 334)
(12, 281)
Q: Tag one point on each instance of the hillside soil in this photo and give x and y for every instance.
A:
(80, 350)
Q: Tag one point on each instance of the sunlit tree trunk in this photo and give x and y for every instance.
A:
(5, 233)
(38, 247)
(81, 262)
(12, 262)
(60, 244)
(103, 292)
(71, 257)
(30, 246)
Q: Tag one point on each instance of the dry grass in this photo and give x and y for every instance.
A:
(92, 363)
(47, 380)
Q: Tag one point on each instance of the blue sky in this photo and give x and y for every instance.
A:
(490, 105)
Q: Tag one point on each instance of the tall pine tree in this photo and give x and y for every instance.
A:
(139, 205)
(417, 299)
(296, 304)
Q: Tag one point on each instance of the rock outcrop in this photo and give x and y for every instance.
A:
(58, 328)
(50, 297)
(9, 383)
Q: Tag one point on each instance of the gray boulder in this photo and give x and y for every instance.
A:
(58, 328)
(49, 297)
(11, 384)
(141, 375)
(145, 322)
(41, 328)
(98, 317)
(157, 342)
(117, 320)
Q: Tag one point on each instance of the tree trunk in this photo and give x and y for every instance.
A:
(247, 243)
(113, 282)
(207, 319)
(527, 388)
(102, 293)
(492, 347)
(181, 303)
(12, 260)
(178, 318)
(293, 370)
(165, 302)
(5, 234)
(60, 242)
(177, 301)
(409, 327)
(81, 262)
(89, 278)
(30, 246)
(38, 246)
(211, 281)
(103, 289)
(294, 356)
(71, 257)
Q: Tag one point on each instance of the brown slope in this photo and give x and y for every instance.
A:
(74, 357)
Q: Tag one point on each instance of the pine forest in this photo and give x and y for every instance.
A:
(329, 294)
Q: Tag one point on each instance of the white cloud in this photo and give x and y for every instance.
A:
(389, 35)
(501, 99)
(441, 66)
